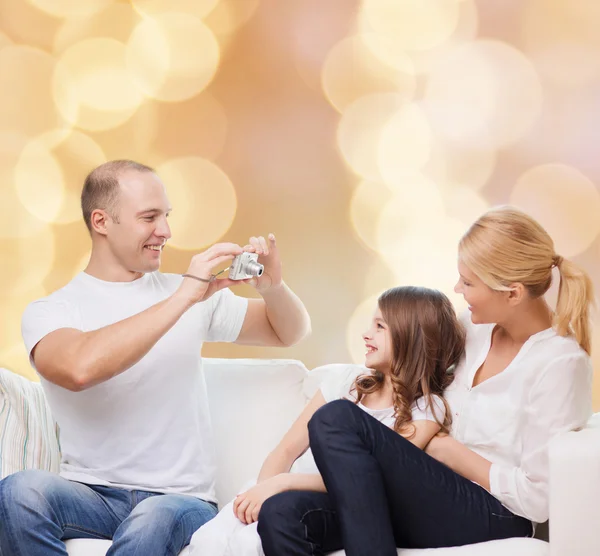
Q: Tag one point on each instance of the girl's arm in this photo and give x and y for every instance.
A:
(293, 444)
(425, 431)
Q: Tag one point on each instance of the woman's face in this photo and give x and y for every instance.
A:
(378, 343)
(486, 305)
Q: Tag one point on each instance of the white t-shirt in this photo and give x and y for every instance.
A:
(147, 428)
(338, 384)
(510, 418)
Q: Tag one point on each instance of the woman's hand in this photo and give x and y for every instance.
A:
(439, 447)
(246, 505)
(460, 459)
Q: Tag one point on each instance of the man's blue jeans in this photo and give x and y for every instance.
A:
(40, 510)
(382, 492)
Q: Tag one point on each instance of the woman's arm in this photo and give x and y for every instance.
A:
(460, 459)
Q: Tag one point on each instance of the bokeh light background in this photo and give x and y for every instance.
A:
(366, 134)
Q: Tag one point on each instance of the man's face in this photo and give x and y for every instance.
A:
(141, 228)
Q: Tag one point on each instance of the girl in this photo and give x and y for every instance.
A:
(413, 341)
(524, 377)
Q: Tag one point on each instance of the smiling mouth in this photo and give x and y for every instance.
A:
(154, 247)
(371, 349)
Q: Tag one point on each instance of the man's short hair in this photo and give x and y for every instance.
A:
(101, 187)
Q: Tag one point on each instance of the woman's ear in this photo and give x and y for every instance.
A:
(516, 294)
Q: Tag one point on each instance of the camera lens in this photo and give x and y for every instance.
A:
(254, 269)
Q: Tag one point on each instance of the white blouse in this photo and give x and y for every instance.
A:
(510, 418)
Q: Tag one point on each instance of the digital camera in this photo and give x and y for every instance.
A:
(245, 266)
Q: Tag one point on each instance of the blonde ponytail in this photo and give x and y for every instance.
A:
(575, 296)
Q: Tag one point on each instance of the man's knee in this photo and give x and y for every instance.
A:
(167, 514)
(25, 489)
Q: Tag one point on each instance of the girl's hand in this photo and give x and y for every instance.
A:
(246, 505)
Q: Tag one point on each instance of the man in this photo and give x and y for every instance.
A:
(118, 353)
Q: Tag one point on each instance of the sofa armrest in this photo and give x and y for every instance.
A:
(575, 493)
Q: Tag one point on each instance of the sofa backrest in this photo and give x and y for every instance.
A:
(253, 402)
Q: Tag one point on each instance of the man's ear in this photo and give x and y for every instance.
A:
(516, 294)
(99, 220)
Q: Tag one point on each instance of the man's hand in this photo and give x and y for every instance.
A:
(268, 256)
(246, 505)
(202, 266)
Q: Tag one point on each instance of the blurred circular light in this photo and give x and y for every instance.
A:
(360, 128)
(455, 164)
(27, 25)
(173, 56)
(69, 8)
(25, 262)
(563, 42)
(409, 24)
(51, 171)
(25, 74)
(367, 202)
(416, 205)
(405, 144)
(92, 86)
(564, 201)
(464, 204)
(358, 324)
(117, 22)
(203, 134)
(203, 200)
(228, 16)
(197, 8)
(4, 40)
(466, 30)
(351, 71)
(13, 304)
(15, 220)
(471, 94)
(426, 256)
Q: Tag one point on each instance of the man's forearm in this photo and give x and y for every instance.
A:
(287, 315)
(111, 350)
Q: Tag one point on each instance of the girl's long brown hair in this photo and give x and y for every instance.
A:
(427, 343)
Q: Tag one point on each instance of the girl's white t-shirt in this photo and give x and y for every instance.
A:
(338, 385)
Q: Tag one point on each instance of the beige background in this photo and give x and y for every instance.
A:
(365, 134)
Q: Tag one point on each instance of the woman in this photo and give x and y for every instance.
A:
(525, 376)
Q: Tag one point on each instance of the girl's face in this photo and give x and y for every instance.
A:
(486, 305)
(378, 341)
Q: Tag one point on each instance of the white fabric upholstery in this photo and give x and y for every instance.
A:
(253, 402)
(575, 494)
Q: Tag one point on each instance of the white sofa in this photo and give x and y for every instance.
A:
(253, 402)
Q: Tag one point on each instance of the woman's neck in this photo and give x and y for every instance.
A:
(537, 316)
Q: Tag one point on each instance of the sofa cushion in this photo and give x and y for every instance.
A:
(28, 434)
(504, 547)
(316, 376)
(253, 402)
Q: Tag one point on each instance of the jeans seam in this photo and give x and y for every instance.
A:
(85, 530)
(312, 546)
